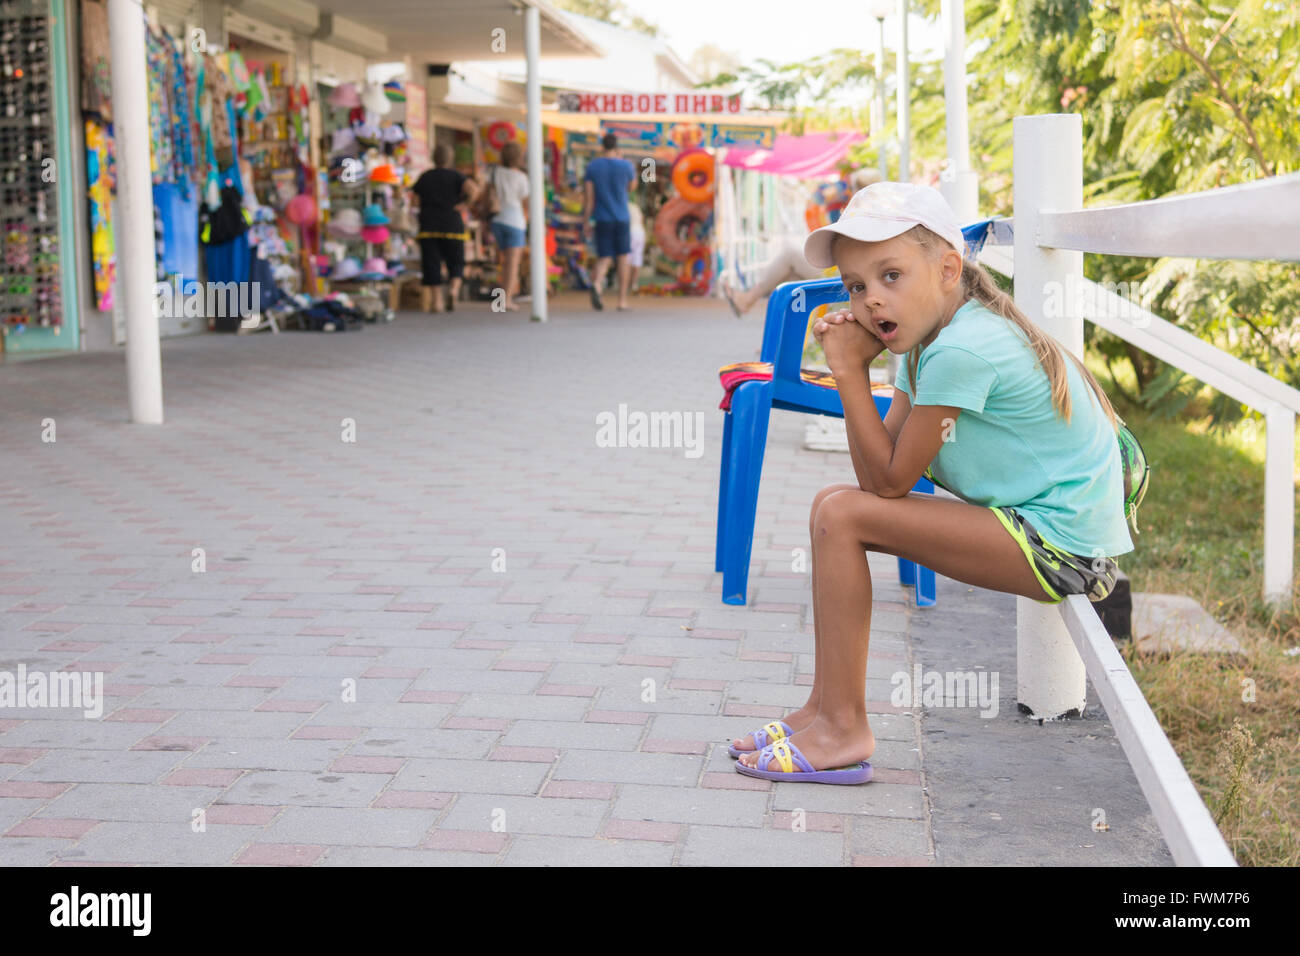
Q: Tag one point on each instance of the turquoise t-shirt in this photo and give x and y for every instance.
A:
(1009, 447)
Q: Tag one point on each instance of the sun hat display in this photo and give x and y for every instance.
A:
(394, 90)
(343, 142)
(375, 234)
(368, 135)
(375, 100)
(346, 223)
(301, 210)
(345, 96)
(385, 173)
(349, 268)
(375, 268)
(394, 133)
(882, 211)
(373, 215)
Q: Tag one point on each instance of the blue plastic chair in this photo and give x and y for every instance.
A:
(744, 434)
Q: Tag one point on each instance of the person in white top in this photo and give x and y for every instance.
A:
(509, 226)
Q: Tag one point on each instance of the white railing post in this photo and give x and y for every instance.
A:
(1279, 505)
(1047, 174)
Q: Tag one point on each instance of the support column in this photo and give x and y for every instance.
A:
(904, 100)
(1047, 173)
(133, 221)
(1279, 506)
(959, 185)
(536, 175)
(881, 103)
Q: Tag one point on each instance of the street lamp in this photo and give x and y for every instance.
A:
(881, 9)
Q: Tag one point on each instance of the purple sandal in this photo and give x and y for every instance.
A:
(769, 733)
(787, 756)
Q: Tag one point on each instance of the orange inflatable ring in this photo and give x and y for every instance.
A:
(701, 258)
(693, 176)
(668, 222)
(500, 133)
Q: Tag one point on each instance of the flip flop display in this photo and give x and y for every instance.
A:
(787, 756)
(768, 733)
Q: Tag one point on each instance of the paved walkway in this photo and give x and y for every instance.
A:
(472, 635)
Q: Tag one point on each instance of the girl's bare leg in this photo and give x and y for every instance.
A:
(956, 539)
(802, 717)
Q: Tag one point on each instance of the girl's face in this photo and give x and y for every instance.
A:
(898, 292)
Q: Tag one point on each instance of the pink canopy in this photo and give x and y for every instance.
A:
(803, 157)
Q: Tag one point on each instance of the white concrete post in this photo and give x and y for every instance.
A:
(536, 176)
(881, 102)
(1279, 505)
(133, 219)
(958, 183)
(1047, 174)
(904, 100)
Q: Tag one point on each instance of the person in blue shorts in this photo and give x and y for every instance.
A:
(995, 409)
(610, 179)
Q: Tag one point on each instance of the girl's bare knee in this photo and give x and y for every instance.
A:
(820, 498)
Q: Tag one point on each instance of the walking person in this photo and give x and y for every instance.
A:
(610, 179)
(510, 225)
(441, 193)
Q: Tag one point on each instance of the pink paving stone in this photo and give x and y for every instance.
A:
(716, 634)
(378, 589)
(256, 680)
(533, 667)
(52, 827)
(674, 747)
(884, 707)
(226, 659)
(473, 841)
(161, 602)
(579, 790)
(600, 639)
(525, 754)
(195, 637)
(237, 814)
(31, 789)
(643, 830)
(280, 854)
(412, 800)
(364, 764)
(616, 717)
(819, 822)
(106, 666)
(297, 612)
(202, 777)
(889, 775)
(27, 607)
(746, 710)
(177, 621)
(733, 781)
(477, 644)
(19, 754)
(125, 690)
(327, 733)
(6, 725)
(354, 650)
(887, 605)
(442, 625)
(70, 646)
(803, 680)
(412, 608)
(290, 706)
(645, 660)
(324, 632)
(890, 861)
(430, 697)
(775, 657)
(681, 612)
(683, 683)
(567, 690)
(53, 627)
(545, 617)
(142, 716)
(393, 672)
(779, 608)
(476, 723)
(172, 743)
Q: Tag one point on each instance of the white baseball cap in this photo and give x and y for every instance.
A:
(882, 211)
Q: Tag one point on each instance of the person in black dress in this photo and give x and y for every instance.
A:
(441, 192)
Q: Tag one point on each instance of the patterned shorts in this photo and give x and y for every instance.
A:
(1059, 572)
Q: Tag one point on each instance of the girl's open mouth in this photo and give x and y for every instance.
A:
(887, 330)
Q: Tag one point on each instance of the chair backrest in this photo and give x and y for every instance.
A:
(784, 332)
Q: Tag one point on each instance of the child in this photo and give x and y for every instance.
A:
(987, 404)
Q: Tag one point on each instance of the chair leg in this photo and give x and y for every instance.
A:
(724, 492)
(906, 573)
(751, 407)
(925, 587)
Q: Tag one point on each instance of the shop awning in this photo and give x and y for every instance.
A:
(802, 157)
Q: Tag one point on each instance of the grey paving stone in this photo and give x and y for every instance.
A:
(652, 768)
(102, 766)
(370, 827)
(386, 857)
(728, 808)
(140, 803)
(257, 753)
(427, 744)
(737, 846)
(901, 801)
(297, 789)
(884, 836)
(572, 734)
(472, 776)
(570, 851)
(541, 815)
(162, 843)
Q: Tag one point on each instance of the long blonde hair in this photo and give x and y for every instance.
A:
(977, 284)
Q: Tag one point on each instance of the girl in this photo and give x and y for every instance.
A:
(988, 405)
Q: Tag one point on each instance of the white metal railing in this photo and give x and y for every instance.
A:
(1059, 647)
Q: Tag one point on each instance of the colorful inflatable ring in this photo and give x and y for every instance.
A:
(693, 176)
(833, 194)
(500, 133)
(696, 270)
(675, 213)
